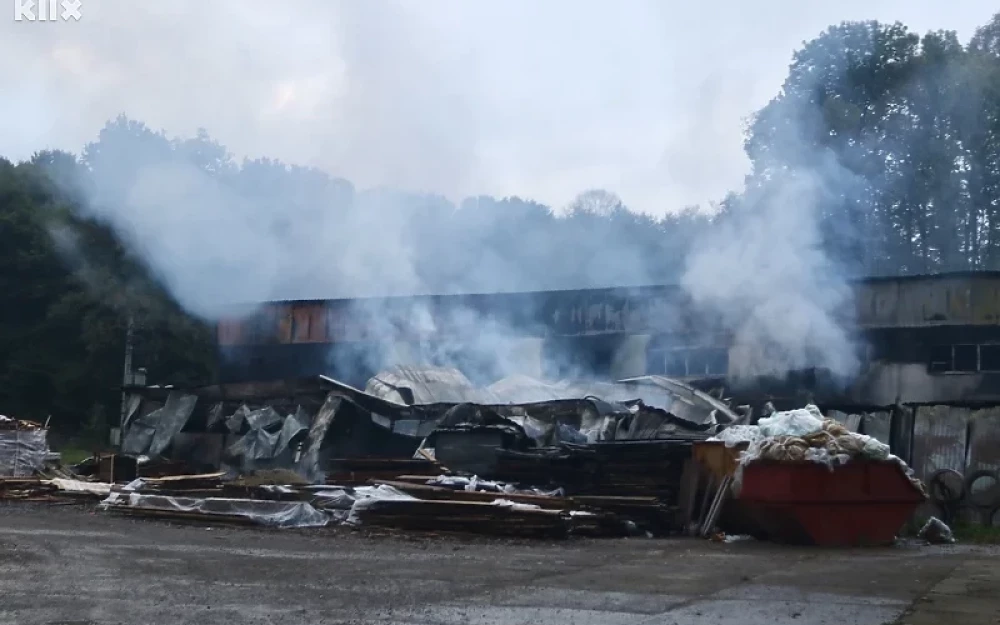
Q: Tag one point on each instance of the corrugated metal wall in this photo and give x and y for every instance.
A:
(984, 440)
(927, 301)
(940, 436)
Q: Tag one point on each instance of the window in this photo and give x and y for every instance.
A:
(989, 357)
(688, 362)
(941, 360)
(964, 358)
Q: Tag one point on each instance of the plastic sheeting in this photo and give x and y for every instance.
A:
(799, 422)
(280, 514)
(936, 532)
(79, 486)
(22, 452)
(737, 434)
(475, 483)
(365, 496)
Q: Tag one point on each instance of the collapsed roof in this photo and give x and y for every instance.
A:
(261, 423)
(442, 385)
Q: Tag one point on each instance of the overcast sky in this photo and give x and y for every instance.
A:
(537, 98)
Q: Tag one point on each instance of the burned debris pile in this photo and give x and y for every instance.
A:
(425, 450)
(417, 450)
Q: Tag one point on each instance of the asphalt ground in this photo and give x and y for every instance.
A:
(68, 564)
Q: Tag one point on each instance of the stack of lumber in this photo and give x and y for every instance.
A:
(352, 471)
(466, 516)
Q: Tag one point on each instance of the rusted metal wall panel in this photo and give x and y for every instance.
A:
(230, 332)
(309, 323)
(984, 440)
(317, 323)
(284, 318)
(940, 434)
(300, 324)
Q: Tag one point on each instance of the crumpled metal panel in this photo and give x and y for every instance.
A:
(152, 433)
(984, 440)
(940, 435)
(294, 425)
(269, 436)
(434, 385)
(309, 463)
(426, 385)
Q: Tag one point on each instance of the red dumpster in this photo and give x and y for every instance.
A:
(859, 503)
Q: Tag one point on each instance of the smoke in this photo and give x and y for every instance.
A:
(221, 235)
(774, 266)
(767, 276)
(218, 233)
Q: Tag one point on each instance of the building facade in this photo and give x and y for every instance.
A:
(921, 339)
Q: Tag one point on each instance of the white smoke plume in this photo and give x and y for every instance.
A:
(766, 274)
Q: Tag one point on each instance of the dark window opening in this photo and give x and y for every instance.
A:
(941, 360)
(989, 357)
(966, 358)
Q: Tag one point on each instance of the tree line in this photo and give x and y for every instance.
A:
(896, 134)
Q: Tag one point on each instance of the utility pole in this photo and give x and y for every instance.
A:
(127, 378)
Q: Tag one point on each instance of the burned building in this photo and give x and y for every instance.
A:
(921, 339)
(580, 390)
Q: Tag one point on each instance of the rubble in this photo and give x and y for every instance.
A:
(424, 449)
(936, 532)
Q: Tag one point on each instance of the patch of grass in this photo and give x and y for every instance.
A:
(977, 534)
(73, 455)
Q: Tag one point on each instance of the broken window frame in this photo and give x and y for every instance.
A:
(946, 359)
(680, 362)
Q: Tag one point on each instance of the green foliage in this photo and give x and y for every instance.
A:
(66, 292)
(906, 130)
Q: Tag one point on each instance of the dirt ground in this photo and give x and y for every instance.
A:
(71, 565)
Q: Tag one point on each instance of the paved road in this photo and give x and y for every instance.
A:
(63, 565)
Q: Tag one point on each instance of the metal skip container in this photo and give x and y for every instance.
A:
(861, 503)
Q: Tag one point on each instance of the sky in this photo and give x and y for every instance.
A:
(540, 99)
